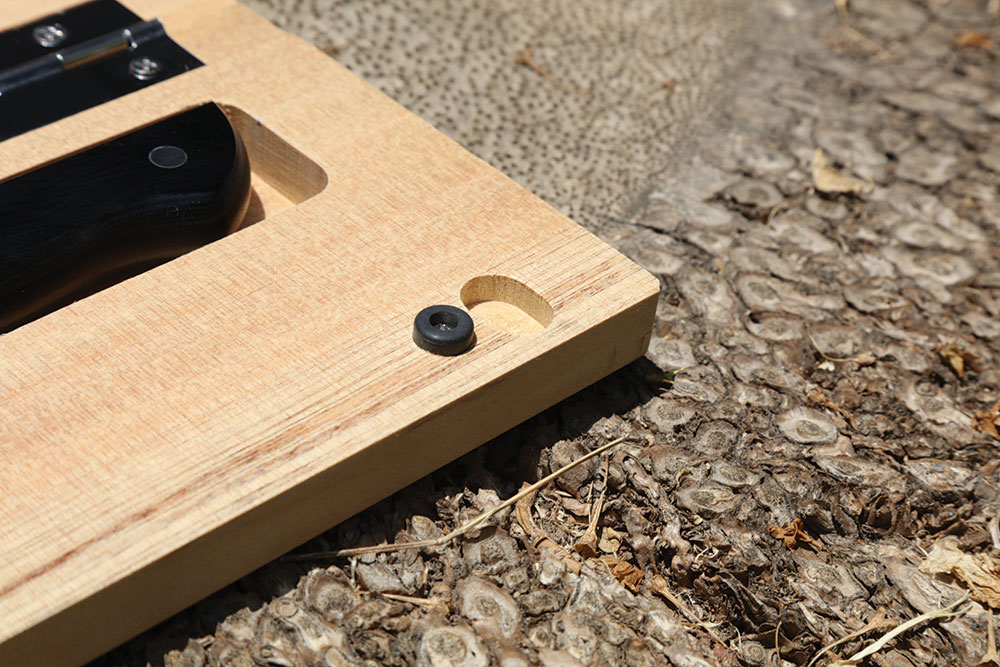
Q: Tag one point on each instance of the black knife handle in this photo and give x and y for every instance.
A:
(76, 226)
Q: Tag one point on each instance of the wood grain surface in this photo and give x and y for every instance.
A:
(175, 431)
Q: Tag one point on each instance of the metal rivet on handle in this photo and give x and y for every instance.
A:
(443, 330)
(168, 157)
(49, 36)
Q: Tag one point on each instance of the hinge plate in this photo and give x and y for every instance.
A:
(67, 62)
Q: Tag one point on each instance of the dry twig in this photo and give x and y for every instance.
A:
(525, 58)
(863, 358)
(883, 641)
(659, 585)
(539, 539)
(841, 9)
(587, 546)
(431, 604)
(991, 657)
(468, 526)
(878, 622)
(783, 205)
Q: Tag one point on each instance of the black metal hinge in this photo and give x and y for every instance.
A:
(64, 63)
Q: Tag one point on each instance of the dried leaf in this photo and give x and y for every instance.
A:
(974, 39)
(587, 546)
(979, 572)
(791, 534)
(828, 179)
(987, 421)
(575, 507)
(611, 541)
(629, 575)
(958, 357)
(865, 358)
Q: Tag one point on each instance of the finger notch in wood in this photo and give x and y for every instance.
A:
(507, 304)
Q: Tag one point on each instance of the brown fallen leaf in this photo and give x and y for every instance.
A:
(979, 572)
(587, 546)
(988, 421)
(791, 534)
(958, 357)
(611, 541)
(974, 39)
(575, 507)
(629, 575)
(828, 179)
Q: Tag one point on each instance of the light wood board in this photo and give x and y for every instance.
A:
(168, 435)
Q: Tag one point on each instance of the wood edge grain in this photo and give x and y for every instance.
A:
(93, 625)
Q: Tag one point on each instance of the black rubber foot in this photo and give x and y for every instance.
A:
(443, 330)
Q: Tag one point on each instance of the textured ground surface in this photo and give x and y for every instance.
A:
(821, 437)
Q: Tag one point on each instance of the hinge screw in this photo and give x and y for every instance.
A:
(143, 68)
(49, 36)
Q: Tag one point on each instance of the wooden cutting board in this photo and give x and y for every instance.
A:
(172, 433)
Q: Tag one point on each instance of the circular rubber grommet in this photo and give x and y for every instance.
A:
(443, 330)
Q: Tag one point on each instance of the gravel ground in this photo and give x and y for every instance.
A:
(817, 190)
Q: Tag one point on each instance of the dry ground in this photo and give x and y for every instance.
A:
(817, 190)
